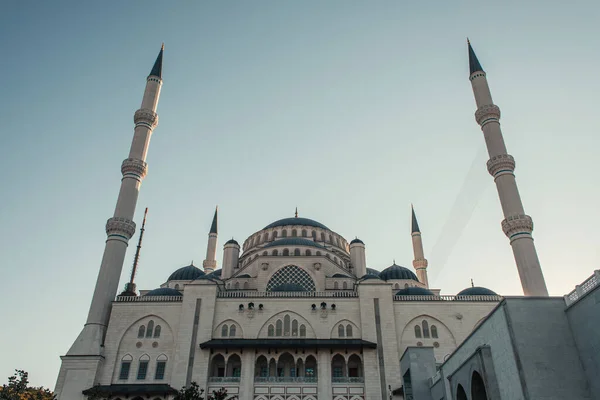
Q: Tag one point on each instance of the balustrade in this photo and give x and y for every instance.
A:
(285, 379)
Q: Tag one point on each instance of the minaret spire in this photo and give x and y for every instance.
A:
(213, 226)
(130, 286)
(157, 68)
(419, 262)
(211, 248)
(517, 225)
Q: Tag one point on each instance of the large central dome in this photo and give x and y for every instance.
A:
(296, 221)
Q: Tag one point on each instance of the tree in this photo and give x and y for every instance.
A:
(193, 392)
(18, 389)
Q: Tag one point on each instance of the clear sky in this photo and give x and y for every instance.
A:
(349, 110)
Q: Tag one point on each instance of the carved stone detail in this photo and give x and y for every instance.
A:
(120, 226)
(135, 167)
(519, 223)
(420, 264)
(317, 266)
(503, 163)
(264, 266)
(487, 113)
(145, 117)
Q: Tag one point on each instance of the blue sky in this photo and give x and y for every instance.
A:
(349, 110)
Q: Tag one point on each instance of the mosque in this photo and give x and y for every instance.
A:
(293, 313)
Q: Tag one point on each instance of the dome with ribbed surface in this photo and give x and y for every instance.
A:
(369, 276)
(164, 291)
(414, 291)
(296, 221)
(372, 271)
(397, 272)
(295, 241)
(188, 273)
(289, 287)
(477, 291)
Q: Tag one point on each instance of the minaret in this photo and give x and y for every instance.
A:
(211, 249)
(517, 225)
(420, 263)
(86, 354)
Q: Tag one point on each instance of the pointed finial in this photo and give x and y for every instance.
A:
(394, 261)
(162, 47)
(415, 224)
(296, 214)
(157, 68)
(192, 263)
(472, 284)
(213, 227)
(474, 64)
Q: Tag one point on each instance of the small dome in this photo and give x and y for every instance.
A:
(340, 276)
(288, 287)
(414, 291)
(357, 240)
(216, 273)
(372, 271)
(164, 291)
(294, 241)
(369, 276)
(296, 221)
(397, 272)
(188, 273)
(244, 276)
(477, 291)
(232, 241)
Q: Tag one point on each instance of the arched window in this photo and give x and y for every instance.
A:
(478, 391)
(246, 285)
(284, 233)
(406, 286)
(338, 366)
(177, 286)
(232, 331)
(237, 286)
(322, 236)
(271, 331)
(224, 331)
(258, 239)
(337, 242)
(460, 393)
(335, 285)
(295, 327)
(304, 233)
(278, 328)
(286, 252)
(396, 286)
(308, 253)
(417, 331)
(265, 253)
(302, 330)
(141, 331)
(157, 331)
(294, 233)
(275, 252)
(150, 328)
(125, 367)
(341, 330)
(425, 329)
(143, 367)
(355, 369)
(286, 325)
(296, 252)
(348, 330)
(434, 333)
(330, 239)
(314, 235)
(274, 235)
(345, 285)
(318, 253)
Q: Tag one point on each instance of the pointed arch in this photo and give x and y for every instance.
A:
(342, 325)
(460, 393)
(478, 391)
(157, 331)
(150, 328)
(141, 331)
(304, 328)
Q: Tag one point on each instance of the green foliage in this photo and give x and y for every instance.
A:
(18, 389)
(193, 392)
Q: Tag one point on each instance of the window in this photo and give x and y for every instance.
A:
(246, 286)
(308, 253)
(322, 236)
(434, 333)
(157, 331)
(286, 325)
(264, 372)
(304, 233)
(341, 331)
(295, 327)
(417, 331)
(278, 328)
(425, 329)
(296, 252)
(224, 330)
(345, 285)
(293, 372)
(286, 252)
(314, 235)
(265, 253)
(294, 233)
(271, 331)
(141, 331)
(337, 372)
(142, 370)
(274, 235)
(275, 252)
(149, 330)
(160, 370)
(258, 239)
(302, 331)
(232, 331)
(335, 285)
(309, 372)
(330, 239)
(236, 286)
(177, 286)
(124, 374)
(318, 253)
(236, 372)
(349, 330)
(284, 233)
(396, 286)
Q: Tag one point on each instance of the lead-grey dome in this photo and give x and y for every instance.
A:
(414, 291)
(296, 221)
(477, 291)
(397, 272)
(188, 273)
(372, 271)
(165, 291)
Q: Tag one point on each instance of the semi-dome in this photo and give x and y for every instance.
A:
(295, 241)
(289, 287)
(296, 221)
(414, 291)
(188, 273)
(164, 291)
(372, 271)
(232, 241)
(357, 240)
(397, 272)
(369, 276)
(477, 291)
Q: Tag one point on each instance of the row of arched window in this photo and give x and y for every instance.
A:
(336, 285)
(287, 327)
(142, 371)
(345, 331)
(255, 241)
(237, 286)
(228, 331)
(296, 252)
(425, 332)
(150, 331)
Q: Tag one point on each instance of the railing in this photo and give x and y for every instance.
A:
(346, 379)
(253, 294)
(285, 379)
(447, 298)
(224, 379)
(129, 299)
(581, 290)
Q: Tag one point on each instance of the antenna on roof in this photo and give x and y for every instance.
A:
(130, 286)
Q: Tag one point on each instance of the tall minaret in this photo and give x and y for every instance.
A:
(517, 225)
(211, 249)
(420, 263)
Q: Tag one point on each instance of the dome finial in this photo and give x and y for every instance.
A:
(296, 213)
(472, 284)
(192, 263)
(394, 261)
